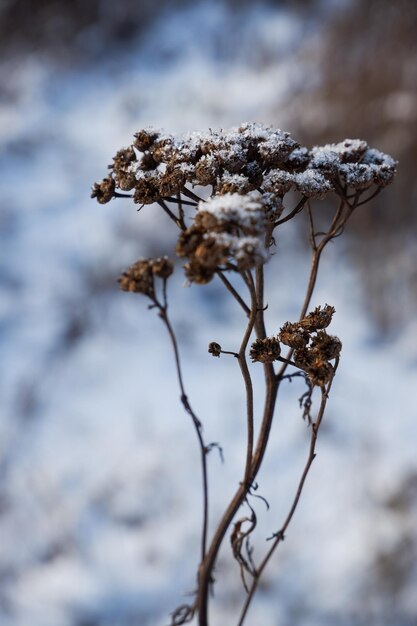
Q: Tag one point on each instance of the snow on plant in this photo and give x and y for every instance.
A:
(233, 231)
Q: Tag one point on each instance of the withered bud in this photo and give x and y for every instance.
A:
(294, 336)
(138, 278)
(207, 170)
(265, 350)
(162, 267)
(103, 191)
(315, 364)
(172, 181)
(146, 190)
(320, 372)
(189, 240)
(124, 157)
(199, 274)
(318, 319)
(329, 346)
(145, 138)
(302, 358)
(214, 348)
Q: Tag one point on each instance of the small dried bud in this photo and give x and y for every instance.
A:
(104, 191)
(146, 189)
(172, 181)
(318, 319)
(124, 157)
(207, 170)
(215, 348)
(265, 350)
(234, 183)
(273, 206)
(162, 267)
(294, 336)
(189, 240)
(122, 168)
(320, 371)
(302, 358)
(297, 159)
(199, 274)
(329, 346)
(145, 138)
(138, 278)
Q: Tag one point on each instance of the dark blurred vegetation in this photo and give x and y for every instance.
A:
(363, 83)
(84, 30)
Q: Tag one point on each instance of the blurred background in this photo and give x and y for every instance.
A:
(99, 487)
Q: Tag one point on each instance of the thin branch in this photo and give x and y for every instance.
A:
(190, 194)
(206, 566)
(170, 214)
(279, 536)
(179, 201)
(369, 198)
(163, 313)
(294, 212)
(247, 378)
(233, 291)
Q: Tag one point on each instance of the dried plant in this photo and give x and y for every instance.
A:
(251, 173)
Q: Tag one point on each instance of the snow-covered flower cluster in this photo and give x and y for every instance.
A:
(228, 229)
(249, 170)
(158, 165)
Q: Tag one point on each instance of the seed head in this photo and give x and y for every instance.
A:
(329, 346)
(318, 319)
(215, 348)
(294, 336)
(104, 191)
(265, 350)
(162, 267)
(138, 278)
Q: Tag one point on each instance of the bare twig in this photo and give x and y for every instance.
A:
(279, 536)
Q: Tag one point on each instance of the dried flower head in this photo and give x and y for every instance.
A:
(316, 366)
(265, 350)
(319, 371)
(294, 336)
(215, 349)
(138, 278)
(104, 191)
(329, 346)
(162, 267)
(145, 138)
(318, 319)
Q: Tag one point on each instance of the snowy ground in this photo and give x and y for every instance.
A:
(99, 492)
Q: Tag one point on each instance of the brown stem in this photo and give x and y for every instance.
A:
(163, 313)
(233, 291)
(206, 566)
(294, 212)
(280, 535)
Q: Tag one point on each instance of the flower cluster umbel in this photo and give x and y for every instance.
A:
(313, 347)
(248, 170)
